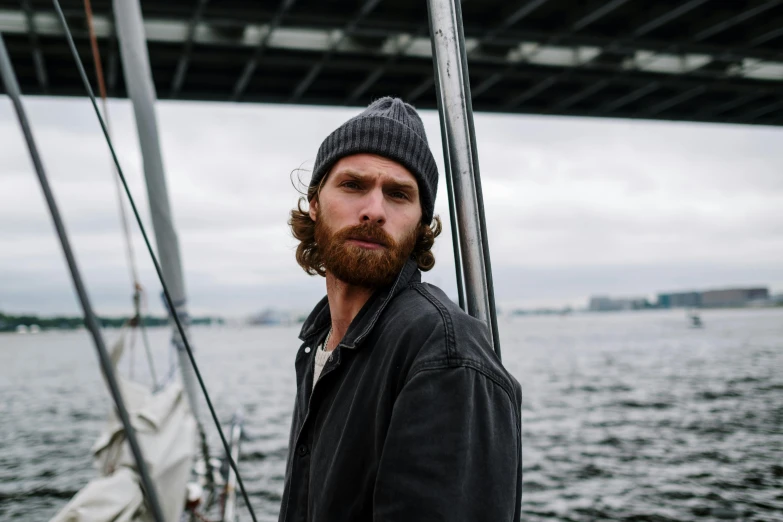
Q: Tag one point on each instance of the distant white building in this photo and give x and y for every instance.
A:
(610, 304)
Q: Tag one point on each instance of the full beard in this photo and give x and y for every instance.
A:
(354, 265)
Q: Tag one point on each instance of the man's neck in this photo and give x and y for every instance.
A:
(345, 301)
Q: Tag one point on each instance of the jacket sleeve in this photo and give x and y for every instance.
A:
(452, 452)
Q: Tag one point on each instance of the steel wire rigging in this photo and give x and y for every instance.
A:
(155, 262)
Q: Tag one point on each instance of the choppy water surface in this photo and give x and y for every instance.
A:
(629, 417)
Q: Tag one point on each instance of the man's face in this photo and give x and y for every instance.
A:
(367, 219)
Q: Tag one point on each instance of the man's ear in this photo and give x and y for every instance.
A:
(313, 210)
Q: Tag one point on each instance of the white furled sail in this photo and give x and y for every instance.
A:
(166, 431)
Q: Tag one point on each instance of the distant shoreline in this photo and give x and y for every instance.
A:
(30, 323)
(586, 311)
(26, 322)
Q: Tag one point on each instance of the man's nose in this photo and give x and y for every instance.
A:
(374, 210)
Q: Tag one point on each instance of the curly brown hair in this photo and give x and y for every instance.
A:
(308, 254)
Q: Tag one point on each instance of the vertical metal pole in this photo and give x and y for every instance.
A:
(141, 91)
(451, 75)
(452, 209)
(12, 88)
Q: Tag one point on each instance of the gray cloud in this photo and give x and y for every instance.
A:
(574, 206)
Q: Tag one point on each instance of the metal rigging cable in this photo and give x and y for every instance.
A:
(137, 288)
(154, 258)
(90, 320)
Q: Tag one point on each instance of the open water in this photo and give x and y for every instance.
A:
(632, 417)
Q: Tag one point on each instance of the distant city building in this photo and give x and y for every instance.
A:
(726, 298)
(273, 316)
(268, 317)
(733, 297)
(680, 300)
(600, 304)
(610, 304)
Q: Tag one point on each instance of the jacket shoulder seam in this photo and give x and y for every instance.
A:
(448, 325)
(481, 369)
(463, 362)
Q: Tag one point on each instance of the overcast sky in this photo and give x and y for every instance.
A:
(575, 207)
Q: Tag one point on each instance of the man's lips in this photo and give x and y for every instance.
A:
(367, 242)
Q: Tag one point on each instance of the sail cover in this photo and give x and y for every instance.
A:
(167, 435)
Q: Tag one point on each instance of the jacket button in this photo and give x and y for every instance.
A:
(331, 358)
(302, 450)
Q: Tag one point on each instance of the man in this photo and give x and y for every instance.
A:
(403, 411)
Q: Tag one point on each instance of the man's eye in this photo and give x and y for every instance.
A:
(351, 185)
(399, 195)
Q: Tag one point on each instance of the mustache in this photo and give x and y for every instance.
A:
(358, 266)
(367, 232)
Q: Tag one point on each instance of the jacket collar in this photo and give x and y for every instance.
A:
(320, 318)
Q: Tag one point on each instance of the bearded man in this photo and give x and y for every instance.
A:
(403, 411)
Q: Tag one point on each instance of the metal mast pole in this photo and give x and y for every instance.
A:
(90, 321)
(141, 91)
(461, 158)
(452, 207)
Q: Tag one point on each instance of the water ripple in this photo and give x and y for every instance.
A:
(628, 417)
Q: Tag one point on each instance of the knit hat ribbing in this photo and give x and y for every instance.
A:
(391, 128)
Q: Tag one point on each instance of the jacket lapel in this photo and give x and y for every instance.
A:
(361, 326)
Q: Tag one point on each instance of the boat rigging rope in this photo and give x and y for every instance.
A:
(90, 320)
(138, 290)
(155, 262)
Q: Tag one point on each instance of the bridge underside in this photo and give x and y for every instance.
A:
(691, 60)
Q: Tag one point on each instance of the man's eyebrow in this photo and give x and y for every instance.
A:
(350, 174)
(393, 184)
(401, 185)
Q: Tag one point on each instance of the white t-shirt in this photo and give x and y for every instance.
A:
(321, 356)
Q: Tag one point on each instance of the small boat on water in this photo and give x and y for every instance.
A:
(695, 319)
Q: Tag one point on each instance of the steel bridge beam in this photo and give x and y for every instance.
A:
(113, 59)
(593, 15)
(667, 17)
(628, 98)
(516, 14)
(664, 105)
(734, 20)
(252, 63)
(579, 96)
(379, 71)
(184, 60)
(764, 37)
(415, 93)
(701, 35)
(530, 93)
(758, 113)
(316, 69)
(737, 102)
(38, 61)
(597, 14)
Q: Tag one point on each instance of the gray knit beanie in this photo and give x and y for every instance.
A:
(391, 128)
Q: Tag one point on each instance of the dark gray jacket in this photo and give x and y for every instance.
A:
(413, 418)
